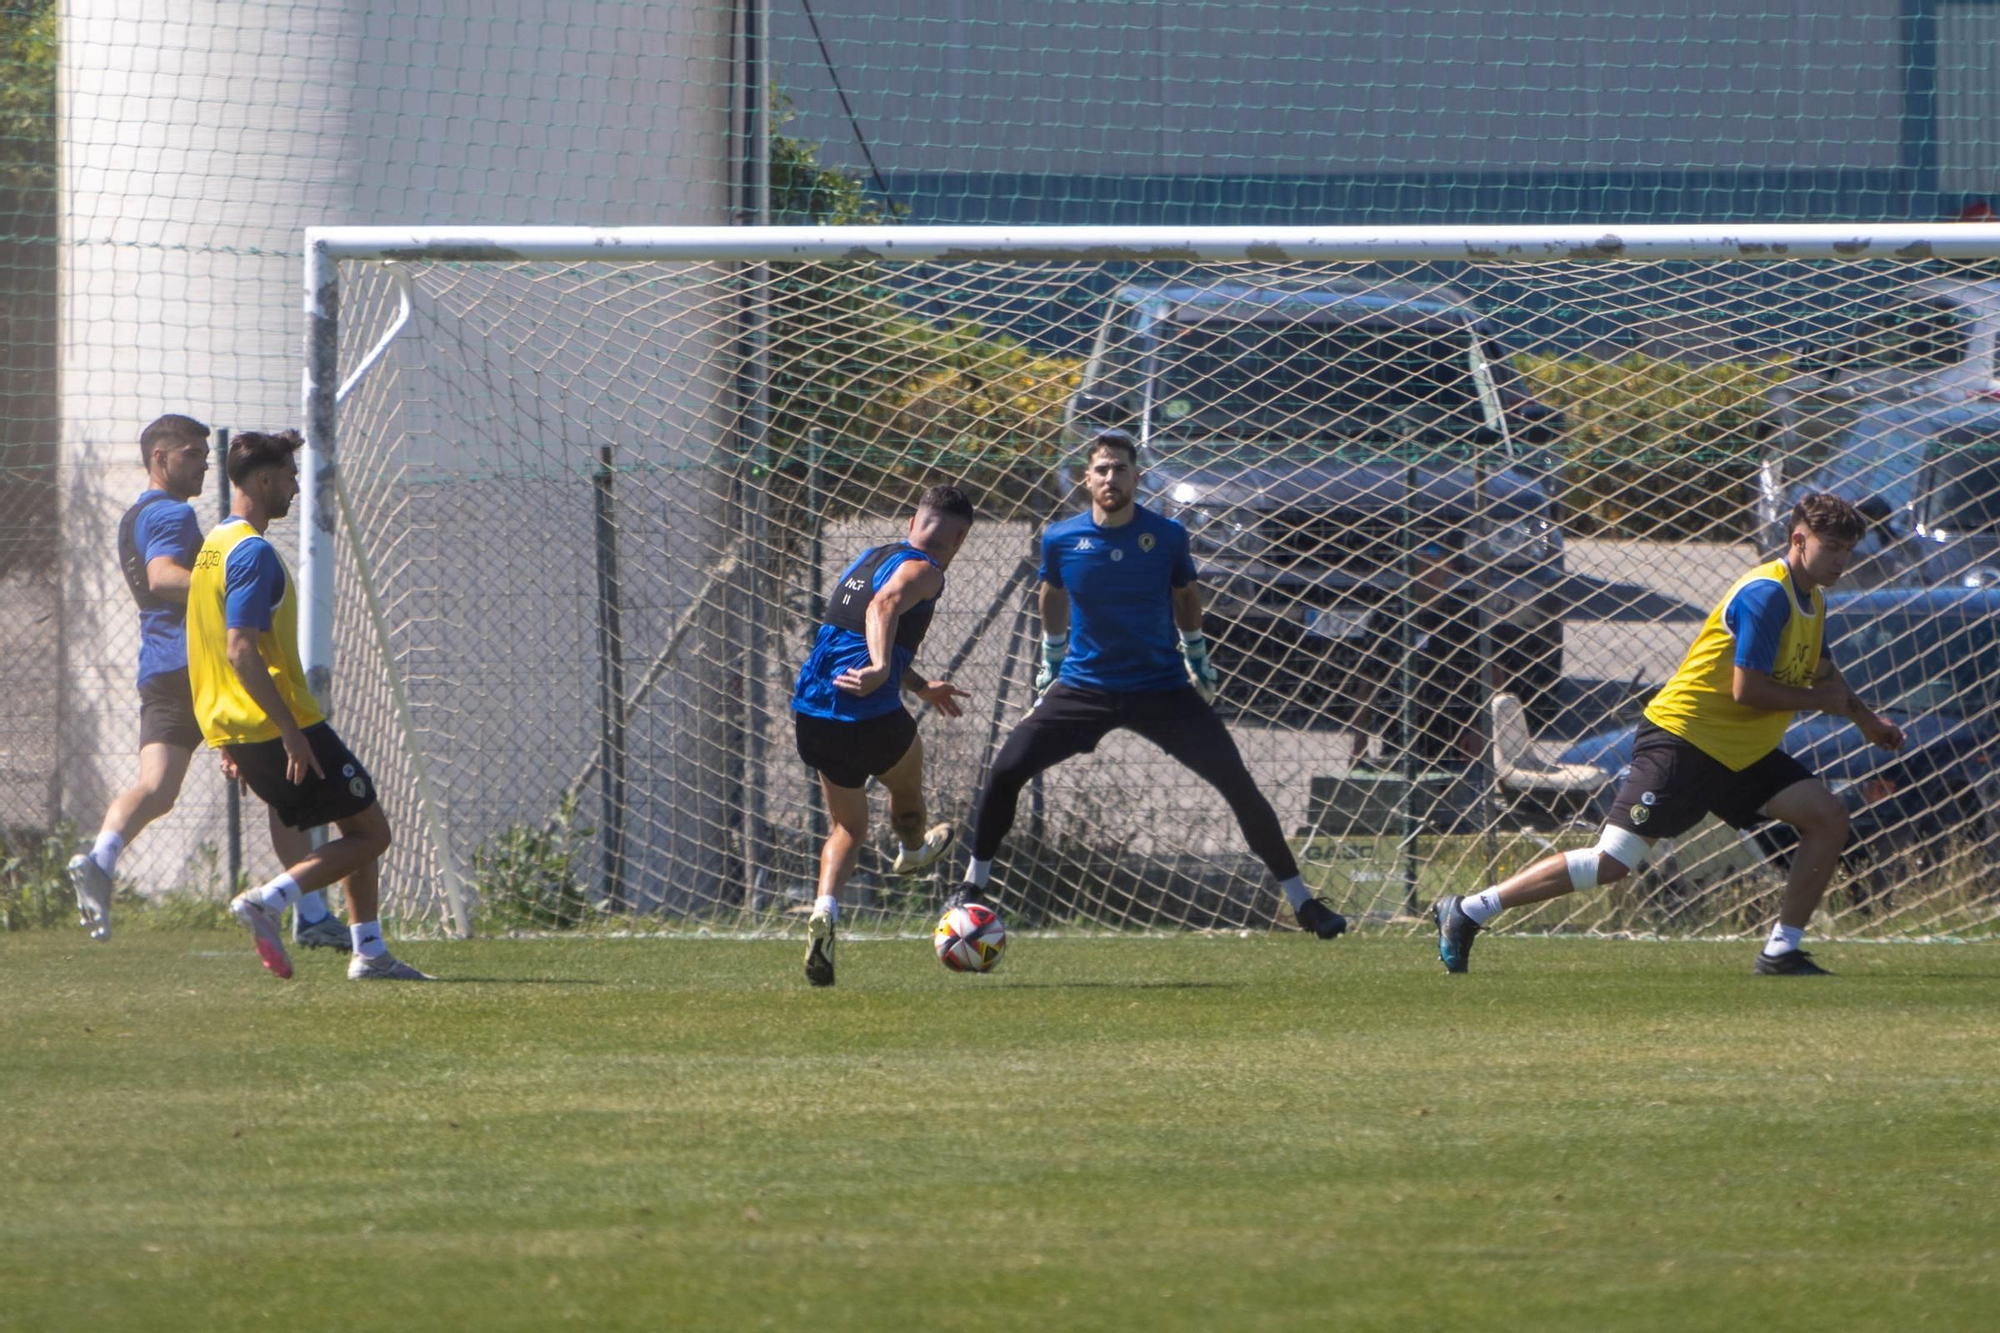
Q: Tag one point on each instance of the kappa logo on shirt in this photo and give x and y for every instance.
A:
(1085, 544)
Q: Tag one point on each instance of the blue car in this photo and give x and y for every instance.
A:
(1928, 658)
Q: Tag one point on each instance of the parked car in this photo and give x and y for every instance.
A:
(1312, 438)
(1930, 659)
(1929, 477)
(1931, 341)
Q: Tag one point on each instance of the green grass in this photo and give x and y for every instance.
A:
(1147, 1133)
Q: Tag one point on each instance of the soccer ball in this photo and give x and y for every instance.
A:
(970, 938)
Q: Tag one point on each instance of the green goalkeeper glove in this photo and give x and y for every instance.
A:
(1053, 653)
(1201, 672)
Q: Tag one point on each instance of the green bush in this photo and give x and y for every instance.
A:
(35, 892)
(526, 878)
(1657, 448)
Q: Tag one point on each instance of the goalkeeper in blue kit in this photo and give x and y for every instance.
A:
(1122, 647)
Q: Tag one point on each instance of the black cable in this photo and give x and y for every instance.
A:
(854, 122)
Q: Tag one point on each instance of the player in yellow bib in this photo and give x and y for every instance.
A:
(1709, 745)
(252, 703)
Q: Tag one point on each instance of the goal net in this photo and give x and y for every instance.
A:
(1459, 501)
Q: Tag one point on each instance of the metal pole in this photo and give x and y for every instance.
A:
(610, 686)
(232, 798)
(1407, 680)
(319, 508)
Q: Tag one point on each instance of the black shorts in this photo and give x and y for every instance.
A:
(847, 754)
(1672, 784)
(345, 789)
(166, 711)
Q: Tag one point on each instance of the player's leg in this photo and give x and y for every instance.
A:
(1066, 723)
(368, 836)
(1822, 824)
(1666, 792)
(847, 830)
(922, 844)
(162, 768)
(1191, 734)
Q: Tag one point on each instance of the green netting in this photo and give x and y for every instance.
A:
(159, 164)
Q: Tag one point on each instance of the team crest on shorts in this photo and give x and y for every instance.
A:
(358, 786)
(1639, 814)
(1146, 541)
(347, 770)
(1648, 798)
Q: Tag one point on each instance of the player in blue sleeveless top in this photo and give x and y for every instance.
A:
(1122, 647)
(848, 710)
(157, 541)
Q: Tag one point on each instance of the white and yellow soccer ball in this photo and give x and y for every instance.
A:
(970, 938)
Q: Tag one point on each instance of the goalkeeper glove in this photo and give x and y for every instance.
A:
(1201, 672)
(1053, 653)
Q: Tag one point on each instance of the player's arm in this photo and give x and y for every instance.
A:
(246, 659)
(1875, 728)
(1756, 618)
(169, 578)
(912, 582)
(252, 582)
(1052, 600)
(1194, 646)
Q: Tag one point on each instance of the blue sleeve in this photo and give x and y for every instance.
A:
(168, 528)
(1051, 571)
(1183, 561)
(1757, 616)
(255, 583)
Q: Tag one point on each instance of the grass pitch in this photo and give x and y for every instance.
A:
(1156, 1133)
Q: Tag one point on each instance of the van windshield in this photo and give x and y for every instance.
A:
(1926, 335)
(1286, 381)
(1967, 496)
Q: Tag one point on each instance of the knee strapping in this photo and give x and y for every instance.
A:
(1621, 845)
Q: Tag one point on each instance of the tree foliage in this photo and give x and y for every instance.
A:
(1653, 447)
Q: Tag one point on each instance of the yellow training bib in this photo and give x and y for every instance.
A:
(225, 710)
(1697, 704)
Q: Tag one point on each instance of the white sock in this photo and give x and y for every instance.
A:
(978, 872)
(1783, 939)
(828, 906)
(312, 908)
(279, 894)
(367, 937)
(105, 851)
(1296, 892)
(1482, 906)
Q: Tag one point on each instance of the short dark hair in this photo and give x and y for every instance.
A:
(947, 500)
(1115, 437)
(171, 429)
(251, 451)
(1828, 516)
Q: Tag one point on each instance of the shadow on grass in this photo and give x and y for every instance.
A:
(518, 981)
(1118, 985)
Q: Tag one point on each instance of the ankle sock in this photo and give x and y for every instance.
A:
(105, 852)
(1784, 939)
(1296, 892)
(827, 905)
(367, 937)
(279, 894)
(312, 908)
(1482, 906)
(978, 872)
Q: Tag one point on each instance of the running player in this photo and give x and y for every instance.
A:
(850, 728)
(251, 698)
(1709, 744)
(157, 541)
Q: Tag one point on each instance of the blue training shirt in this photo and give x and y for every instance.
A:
(1757, 616)
(165, 527)
(1120, 581)
(254, 584)
(836, 650)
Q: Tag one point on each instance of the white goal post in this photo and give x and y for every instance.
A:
(1460, 496)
